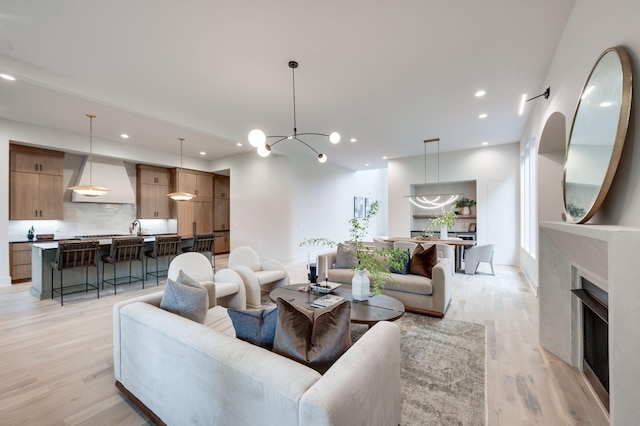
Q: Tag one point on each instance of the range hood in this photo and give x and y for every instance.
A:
(110, 173)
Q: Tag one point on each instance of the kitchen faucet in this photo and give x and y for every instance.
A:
(134, 225)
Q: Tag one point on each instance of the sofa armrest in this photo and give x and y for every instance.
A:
(441, 282)
(362, 387)
(274, 265)
(239, 300)
(251, 286)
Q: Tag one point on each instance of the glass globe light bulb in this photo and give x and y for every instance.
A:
(264, 150)
(257, 138)
(334, 137)
(322, 158)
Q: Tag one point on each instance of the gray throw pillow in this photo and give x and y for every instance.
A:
(186, 298)
(316, 338)
(345, 257)
(257, 327)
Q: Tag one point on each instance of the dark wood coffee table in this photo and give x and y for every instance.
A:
(370, 311)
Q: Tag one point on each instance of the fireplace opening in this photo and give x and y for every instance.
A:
(595, 337)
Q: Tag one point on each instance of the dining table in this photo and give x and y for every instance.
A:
(458, 245)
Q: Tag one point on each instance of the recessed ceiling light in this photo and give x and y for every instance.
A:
(366, 164)
(485, 143)
(124, 136)
(7, 77)
(203, 153)
(385, 157)
(353, 140)
(480, 93)
(238, 144)
(483, 115)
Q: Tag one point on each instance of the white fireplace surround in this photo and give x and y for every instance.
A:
(608, 256)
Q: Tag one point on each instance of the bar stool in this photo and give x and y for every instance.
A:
(164, 246)
(123, 249)
(73, 255)
(203, 243)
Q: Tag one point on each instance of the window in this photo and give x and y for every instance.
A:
(528, 217)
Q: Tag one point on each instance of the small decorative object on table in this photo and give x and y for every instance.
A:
(326, 300)
(325, 287)
(30, 233)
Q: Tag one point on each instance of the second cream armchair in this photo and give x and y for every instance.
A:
(257, 273)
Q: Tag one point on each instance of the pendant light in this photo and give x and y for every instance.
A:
(436, 200)
(180, 196)
(258, 139)
(90, 190)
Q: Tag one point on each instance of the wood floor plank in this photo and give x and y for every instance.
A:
(56, 362)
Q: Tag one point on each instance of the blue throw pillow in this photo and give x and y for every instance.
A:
(405, 268)
(257, 327)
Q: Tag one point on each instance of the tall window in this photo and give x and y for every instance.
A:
(528, 216)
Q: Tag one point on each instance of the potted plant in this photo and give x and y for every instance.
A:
(465, 204)
(30, 233)
(445, 220)
(374, 261)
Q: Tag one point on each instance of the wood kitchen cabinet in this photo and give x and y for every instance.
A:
(222, 243)
(221, 186)
(20, 261)
(35, 183)
(152, 187)
(221, 214)
(194, 182)
(195, 215)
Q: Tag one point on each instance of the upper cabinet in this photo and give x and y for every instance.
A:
(152, 187)
(221, 186)
(194, 182)
(35, 183)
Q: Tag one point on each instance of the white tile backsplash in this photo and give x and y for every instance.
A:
(88, 219)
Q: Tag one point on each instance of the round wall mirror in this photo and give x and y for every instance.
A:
(597, 135)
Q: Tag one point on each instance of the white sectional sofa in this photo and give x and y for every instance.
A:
(182, 372)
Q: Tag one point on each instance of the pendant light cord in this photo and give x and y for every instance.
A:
(293, 80)
(180, 174)
(91, 117)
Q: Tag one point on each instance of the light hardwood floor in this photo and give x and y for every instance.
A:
(56, 365)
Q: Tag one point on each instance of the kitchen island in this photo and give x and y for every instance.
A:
(43, 253)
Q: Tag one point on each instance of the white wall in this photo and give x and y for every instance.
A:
(593, 27)
(278, 201)
(495, 170)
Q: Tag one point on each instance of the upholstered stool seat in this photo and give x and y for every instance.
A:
(74, 255)
(163, 246)
(123, 250)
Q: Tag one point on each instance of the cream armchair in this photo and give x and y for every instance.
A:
(476, 254)
(256, 273)
(229, 287)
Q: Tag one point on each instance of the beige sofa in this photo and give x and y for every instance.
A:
(182, 372)
(427, 296)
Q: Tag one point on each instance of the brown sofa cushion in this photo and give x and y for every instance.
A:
(316, 338)
(423, 261)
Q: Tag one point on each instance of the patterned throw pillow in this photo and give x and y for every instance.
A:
(257, 327)
(405, 266)
(316, 338)
(423, 261)
(185, 297)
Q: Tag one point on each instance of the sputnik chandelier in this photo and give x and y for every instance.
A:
(258, 139)
(432, 201)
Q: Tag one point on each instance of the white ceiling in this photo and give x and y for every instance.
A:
(389, 73)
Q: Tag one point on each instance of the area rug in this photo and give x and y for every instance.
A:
(443, 370)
